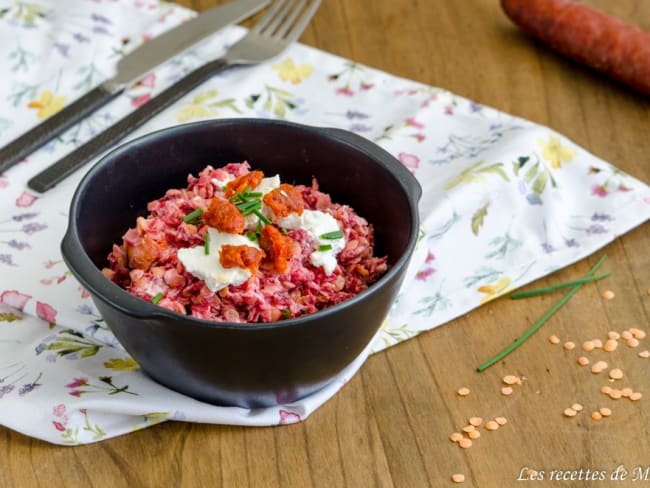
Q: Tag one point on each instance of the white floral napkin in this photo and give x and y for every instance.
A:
(522, 199)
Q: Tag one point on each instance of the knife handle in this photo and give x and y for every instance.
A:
(54, 126)
(54, 174)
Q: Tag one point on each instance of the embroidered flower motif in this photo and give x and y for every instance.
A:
(190, 112)
(288, 417)
(14, 299)
(493, 291)
(599, 190)
(149, 81)
(411, 161)
(48, 104)
(77, 382)
(289, 71)
(117, 364)
(46, 312)
(140, 99)
(554, 152)
(25, 200)
(411, 122)
(423, 274)
(59, 410)
(344, 91)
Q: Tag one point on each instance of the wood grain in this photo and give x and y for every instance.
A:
(389, 426)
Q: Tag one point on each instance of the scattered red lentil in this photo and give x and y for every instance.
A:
(491, 425)
(596, 416)
(530, 473)
(568, 345)
(577, 407)
(638, 333)
(644, 354)
(458, 478)
(626, 334)
(588, 346)
(608, 294)
(475, 434)
(463, 391)
(632, 342)
(597, 343)
(554, 339)
(626, 392)
(465, 443)
(610, 345)
(475, 421)
(636, 396)
(616, 374)
(615, 394)
(583, 361)
(501, 420)
(455, 436)
(511, 379)
(506, 390)
(599, 367)
(606, 389)
(605, 412)
(569, 412)
(469, 428)
(612, 334)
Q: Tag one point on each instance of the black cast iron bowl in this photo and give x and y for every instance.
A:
(247, 365)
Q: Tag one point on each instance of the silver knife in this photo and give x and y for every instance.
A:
(131, 67)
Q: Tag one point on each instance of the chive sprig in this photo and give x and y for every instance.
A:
(533, 328)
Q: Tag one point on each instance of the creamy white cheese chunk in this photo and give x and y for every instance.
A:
(318, 223)
(208, 268)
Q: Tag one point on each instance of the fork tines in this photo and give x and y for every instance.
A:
(281, 17)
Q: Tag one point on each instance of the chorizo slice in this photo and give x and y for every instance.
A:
(279, 248)
(239, 184)
(224, 216)
(284, 200)
(246, 257)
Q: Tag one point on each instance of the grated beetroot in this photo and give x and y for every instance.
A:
(267, 296)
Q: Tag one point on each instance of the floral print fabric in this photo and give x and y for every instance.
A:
(522, 199)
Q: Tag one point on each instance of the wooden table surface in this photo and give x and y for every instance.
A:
(390, 425)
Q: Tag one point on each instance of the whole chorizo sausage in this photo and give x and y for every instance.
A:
(587, 35)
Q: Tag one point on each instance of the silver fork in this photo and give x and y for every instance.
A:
(283, 23)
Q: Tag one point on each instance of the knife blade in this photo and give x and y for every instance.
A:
(131, 67)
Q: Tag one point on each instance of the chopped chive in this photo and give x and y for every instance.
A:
(325, 247)
(157, 298)
(206, 244)
(262, 217)
(559, 286)
(533, 328)
(252, 236)
(238, 198)
(286, 314)
(193, 215)
(258, 227)
(337, 234)
(284, 231)
(249, 207)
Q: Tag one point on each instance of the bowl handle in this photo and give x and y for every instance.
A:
(386, 159)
